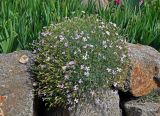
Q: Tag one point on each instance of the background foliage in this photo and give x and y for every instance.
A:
(22, 20)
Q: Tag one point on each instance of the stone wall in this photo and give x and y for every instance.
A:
(16, 91)
(16, 97)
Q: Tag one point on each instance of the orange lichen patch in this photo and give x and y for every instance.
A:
(2, 99)
(142, 79)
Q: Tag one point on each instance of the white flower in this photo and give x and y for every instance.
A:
(116, 33)
(80, 81)
(119, 69)
(85, 46)
(69, 100)
(99, 54)
(122, 59)
(43, 99)
(91, 46)
(61, 38)
(63, 53)
(92, 93)
(72, 63)
(67, 91)
(34, 84)
(48, 59)
(83, 12)
(79, 50)
(66, 76)
(102, 23)
(114, 25)
(70, 108)
(86, 74)
(97, 100)
(77, 36)
(88, 45)
(110, 46)
(108, 70)
(104, 42)
(73, 12)
(92, 31)
(84, 39)
(76, 100)
(124, 56)
(46, 33)
(82, 33)
(115, 53)
(111, 23)
(82, 67)
(84, 57)
(51, 24)
(107, 32)
(66, 44)
(64, 68)
(75, 52)
(68, 96)
(75, 87)
(115, 84)
(43, 66)
(87, 68)
(113, 72)
(105, 46)
(115, 92)
(61, 86)
(120, 47)
(35, 51)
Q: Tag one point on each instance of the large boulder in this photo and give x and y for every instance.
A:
(144, 69)
(133, 108)
(105, 105)
(16, 97)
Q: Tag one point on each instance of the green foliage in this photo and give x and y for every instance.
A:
(22, 20)
(139, 24)
(77, 56)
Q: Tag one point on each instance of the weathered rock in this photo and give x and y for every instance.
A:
(133, 108)
(16, 98)
(145, 67)
(106, 105)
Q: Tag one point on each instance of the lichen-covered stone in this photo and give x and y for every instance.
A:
(107, 105)
(144, 70)
(16, 98)
(133, 108)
